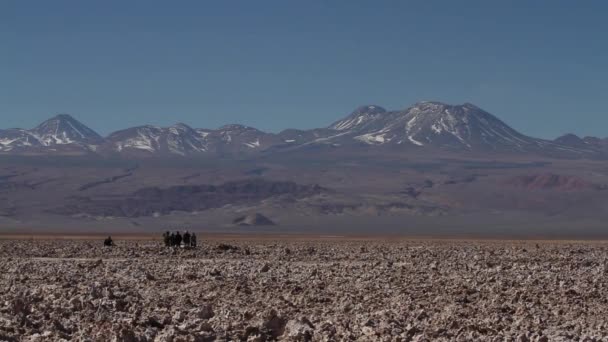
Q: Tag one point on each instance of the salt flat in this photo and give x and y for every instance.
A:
(332, 289)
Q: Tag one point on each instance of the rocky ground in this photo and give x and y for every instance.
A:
(295, 290)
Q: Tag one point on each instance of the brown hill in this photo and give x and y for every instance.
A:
(256, 219)
(550, 181)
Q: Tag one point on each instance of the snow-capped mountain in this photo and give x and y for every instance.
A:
(63, 129)
(437, 124)
(178, 139)
(426, 124)
(61, 132)
(460, 126)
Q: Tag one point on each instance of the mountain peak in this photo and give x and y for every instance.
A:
(441, 105)
(370, 109)
(64, 129)
(571, 140)
(357, 119)
(63, 116)
(569, 136)
(470, 105)
(457, 126)
(236, 127)
(180, 126)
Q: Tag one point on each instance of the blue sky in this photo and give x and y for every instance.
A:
(541, 66)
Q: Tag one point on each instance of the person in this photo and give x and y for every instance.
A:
(193, 240)
(187, 239)
(178, 239)
(167, 238)
(172, 240)
(108, 242)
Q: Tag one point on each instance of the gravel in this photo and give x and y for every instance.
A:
(294, 290)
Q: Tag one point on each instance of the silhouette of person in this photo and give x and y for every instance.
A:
(187, 239)
(108, 242)
(167, 239)
(178, 239)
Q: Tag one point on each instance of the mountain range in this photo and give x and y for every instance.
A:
(426, 124)
(430, 169)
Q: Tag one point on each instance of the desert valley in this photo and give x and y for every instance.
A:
(433, 168)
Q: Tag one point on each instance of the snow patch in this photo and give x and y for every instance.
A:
(416, 142)
(372, 138)
(253, 144)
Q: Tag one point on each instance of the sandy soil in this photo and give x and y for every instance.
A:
(237, 288)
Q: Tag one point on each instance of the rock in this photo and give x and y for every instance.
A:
(321, 291)
(274, 324)
(178, 317)
(150, 334)
(301, 330)
(167, 335)
(125, 334)
(205, 337)
(204, 312)
(368, 331)
(224, 247)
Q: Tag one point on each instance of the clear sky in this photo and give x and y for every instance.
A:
(541, 66)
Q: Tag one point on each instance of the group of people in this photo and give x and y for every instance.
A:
(175, 239)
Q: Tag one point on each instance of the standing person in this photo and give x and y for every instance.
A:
(178, 239)
(187, 239)
(193, 240)
(172, 240)
(167, 238)
(108, 242)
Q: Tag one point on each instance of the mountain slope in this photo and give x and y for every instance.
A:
(360, 118)
(61, 132)
(17, 139)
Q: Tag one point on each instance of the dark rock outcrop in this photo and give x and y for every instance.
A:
(189, 198)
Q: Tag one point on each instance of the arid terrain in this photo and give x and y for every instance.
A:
(303, 289)
(430, 169)
(322, 192)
